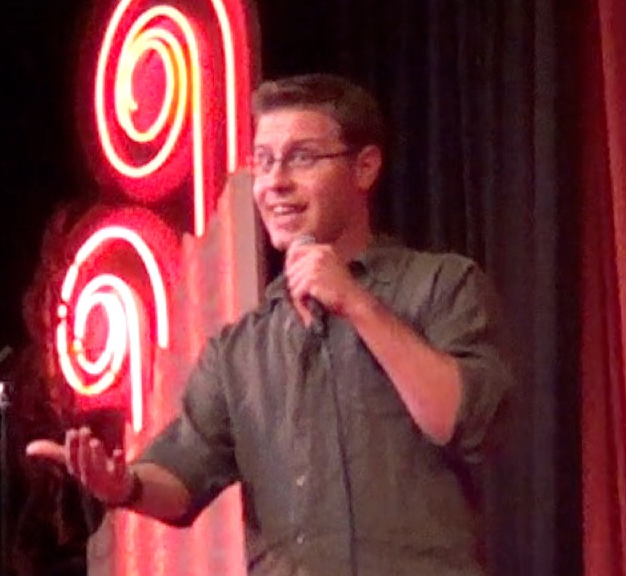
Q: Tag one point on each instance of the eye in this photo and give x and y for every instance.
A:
(301, 158)
(263, 160)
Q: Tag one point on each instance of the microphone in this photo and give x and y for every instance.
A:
(314, 306)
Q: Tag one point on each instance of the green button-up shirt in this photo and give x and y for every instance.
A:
(337, 479)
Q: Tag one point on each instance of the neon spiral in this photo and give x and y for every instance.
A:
(181, 64)
(116, 299)
(183, 79)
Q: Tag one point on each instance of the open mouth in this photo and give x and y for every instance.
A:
(286, 209)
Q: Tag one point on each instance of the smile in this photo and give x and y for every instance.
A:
(286, 209)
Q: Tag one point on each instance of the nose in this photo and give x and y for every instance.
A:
(276, 182)
(278, 178)
(279, 169)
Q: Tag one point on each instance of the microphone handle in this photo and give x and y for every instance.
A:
(314, 306)
(318, 314)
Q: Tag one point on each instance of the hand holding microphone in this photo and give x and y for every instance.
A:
(318, 278)
(314, 306)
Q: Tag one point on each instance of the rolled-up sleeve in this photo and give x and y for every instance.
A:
(466, 322)
(197, 447)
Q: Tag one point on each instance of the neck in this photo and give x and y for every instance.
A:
(350, 247)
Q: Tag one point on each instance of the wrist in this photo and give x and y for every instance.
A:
(359, 305)
(133, 493)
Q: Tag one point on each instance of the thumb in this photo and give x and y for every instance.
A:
(46, 449)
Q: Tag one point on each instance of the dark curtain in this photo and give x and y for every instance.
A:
(482, 99)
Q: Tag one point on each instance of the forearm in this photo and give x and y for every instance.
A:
(428, 381)
(160, 495)
(144, 486)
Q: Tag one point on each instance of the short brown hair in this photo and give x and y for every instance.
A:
(355, 110)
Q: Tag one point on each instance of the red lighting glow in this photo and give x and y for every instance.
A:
(166, 33)
(180, 58)
(123, 340)
(117, 302)
(233, 117)
(172, 93)
(112, 233)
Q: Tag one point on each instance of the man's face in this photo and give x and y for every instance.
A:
(303, 195)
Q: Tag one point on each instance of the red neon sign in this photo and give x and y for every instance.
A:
(117, 302)
(171, 115)
(171, 105)
(170, 37)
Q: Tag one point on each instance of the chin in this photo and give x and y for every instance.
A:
(281, 241)
(282, 238)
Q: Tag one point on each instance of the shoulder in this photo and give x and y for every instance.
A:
(443, 269)
(247, 331)
(437, 262)
(448, 277)
(420, 284)
(401, 263)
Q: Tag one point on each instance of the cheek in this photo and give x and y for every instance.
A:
(257, 197)
(333, 196)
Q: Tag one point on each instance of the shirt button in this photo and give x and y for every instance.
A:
(300, 539)
(300, 480)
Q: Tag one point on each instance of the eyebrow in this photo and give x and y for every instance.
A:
(295, 143)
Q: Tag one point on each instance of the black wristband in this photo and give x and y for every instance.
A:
(136, 491)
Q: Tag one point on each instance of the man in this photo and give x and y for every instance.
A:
(353, 403)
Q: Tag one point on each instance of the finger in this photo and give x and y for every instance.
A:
(97, 464)
(307, 276)
(316, 260)
(291, 256)
(83, 454)
(46, 449)
(305, 266)
(296, 252)
(296, 262)
(118, 460)
(299, 283)
(71, 451)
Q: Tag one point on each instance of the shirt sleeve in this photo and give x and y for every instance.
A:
(197, 447)
(465, 321)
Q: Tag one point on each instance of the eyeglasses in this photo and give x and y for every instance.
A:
(297, 159)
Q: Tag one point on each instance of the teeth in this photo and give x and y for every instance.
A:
(281, 210)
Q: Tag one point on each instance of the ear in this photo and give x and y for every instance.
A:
(368, 166)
